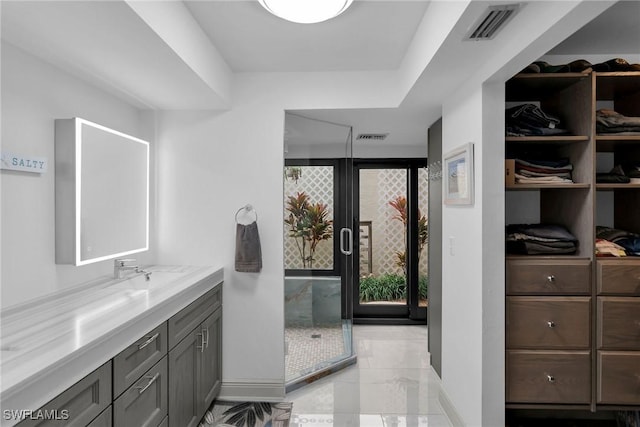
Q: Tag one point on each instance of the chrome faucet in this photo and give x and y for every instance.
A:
(121, 265)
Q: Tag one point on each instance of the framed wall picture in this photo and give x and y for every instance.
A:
(458, 176)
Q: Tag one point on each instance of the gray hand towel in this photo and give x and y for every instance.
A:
(248, 251)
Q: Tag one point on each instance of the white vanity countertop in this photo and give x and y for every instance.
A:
(48, 344)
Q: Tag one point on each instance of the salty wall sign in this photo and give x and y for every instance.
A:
(18, 162)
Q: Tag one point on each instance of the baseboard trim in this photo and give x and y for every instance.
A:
(240, 391)
(450, 410)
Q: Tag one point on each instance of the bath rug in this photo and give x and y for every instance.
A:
(247, 414)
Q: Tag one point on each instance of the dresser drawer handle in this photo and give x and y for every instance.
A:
(551, 378)
(151, 381)
(148, 341)
(551, 324)
(551, 278)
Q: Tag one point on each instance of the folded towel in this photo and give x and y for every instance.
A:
(248, 250)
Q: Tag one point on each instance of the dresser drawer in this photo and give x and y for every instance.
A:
(145, 403)
(548, 277)
(136, 359)
(548, 322)
(620, 277)
(548, 377)
(619, 323)
(619, 377)
(186, 320)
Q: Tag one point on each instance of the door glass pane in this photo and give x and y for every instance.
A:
(423, 236)
(309, 217)
(383, 225)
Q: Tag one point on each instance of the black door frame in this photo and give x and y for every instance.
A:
(342, 212)
(390, 314)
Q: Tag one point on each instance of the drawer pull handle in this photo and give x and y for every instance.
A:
(148, 341)
(202, 342)
(551, 324)
(551, 378)
(151, 381)
(551, 278)
(205, 337)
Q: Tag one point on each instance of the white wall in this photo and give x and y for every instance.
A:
(34, 94)
(215, 162)
(462, 267)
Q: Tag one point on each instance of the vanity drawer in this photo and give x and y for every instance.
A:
(620, 277)
(185, 321)
(548, 277)
(136, 359)
(619, 377)
(548, 377)
(79, 404)
(548, 322)
(105, 419)
(145, 402)
(619, 323)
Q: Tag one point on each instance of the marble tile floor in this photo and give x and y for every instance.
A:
(391, 385)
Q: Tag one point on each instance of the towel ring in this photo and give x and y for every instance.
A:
(249, 209)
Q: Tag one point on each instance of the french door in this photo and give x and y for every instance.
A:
(390, 275)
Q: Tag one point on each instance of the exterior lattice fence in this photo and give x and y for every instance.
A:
(317, 182)
(377, 188)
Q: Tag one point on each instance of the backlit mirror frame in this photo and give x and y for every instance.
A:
(68, 183)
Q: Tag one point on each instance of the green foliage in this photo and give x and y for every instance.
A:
(308, 225)
(389, 287)
(400, 205)
(423, 286)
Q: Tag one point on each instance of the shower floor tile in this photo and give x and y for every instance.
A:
(308, 349)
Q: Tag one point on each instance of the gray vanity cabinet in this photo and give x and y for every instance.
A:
(144, 404)
(183, 375)
(195, 362)
(167, 378)
(104, 419)
(211, 361)
(78, 405)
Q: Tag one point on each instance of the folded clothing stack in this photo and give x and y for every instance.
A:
(607, 248)
(543, 171)
(633, 172)
(627, 240)
(529, 119)
(540, 239)
(581, 66)
(620, 175)
(610, 121)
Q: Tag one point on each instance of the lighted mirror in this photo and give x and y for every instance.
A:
(102, 193)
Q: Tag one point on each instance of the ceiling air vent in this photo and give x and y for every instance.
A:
(372, 136)
(491, 21)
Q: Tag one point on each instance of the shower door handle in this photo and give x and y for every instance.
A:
(349, 241)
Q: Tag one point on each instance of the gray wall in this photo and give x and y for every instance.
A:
(434, 313)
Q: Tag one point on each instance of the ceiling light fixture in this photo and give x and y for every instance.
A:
(306, 11)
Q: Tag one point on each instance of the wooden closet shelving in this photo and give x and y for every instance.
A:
(567, 346)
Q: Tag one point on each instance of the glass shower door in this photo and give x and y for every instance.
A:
(317, 239)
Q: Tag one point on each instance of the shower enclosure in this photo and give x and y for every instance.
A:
(318, 248)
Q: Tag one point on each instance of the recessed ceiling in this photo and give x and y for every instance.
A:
(615, 32)
(370, 35)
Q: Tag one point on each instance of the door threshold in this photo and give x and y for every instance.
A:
(387, 321)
